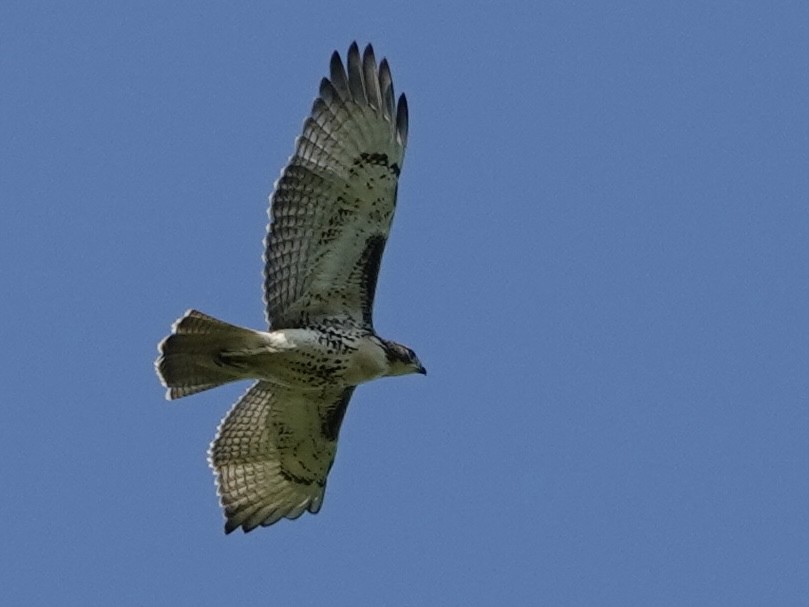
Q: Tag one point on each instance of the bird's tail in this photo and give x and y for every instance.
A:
(192, 358)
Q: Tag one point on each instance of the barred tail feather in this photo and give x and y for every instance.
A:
(190, 358)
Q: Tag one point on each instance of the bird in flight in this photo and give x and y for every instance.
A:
(330, 216)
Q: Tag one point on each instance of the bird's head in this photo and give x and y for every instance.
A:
(402, 360)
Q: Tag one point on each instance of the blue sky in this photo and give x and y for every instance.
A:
(601, 253)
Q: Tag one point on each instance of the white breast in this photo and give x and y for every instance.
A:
(367, 363)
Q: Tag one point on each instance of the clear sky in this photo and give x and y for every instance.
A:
(601, 254)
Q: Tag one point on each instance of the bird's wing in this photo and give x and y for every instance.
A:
(331, 209)
(273, 451)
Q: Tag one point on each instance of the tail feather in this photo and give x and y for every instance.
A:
(191, 358)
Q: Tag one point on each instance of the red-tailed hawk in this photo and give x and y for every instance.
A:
(330, 215)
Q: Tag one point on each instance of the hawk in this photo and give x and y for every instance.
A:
(330, 216)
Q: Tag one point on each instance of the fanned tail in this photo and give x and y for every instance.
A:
(191, 358)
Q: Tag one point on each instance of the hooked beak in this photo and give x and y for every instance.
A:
(421, 370)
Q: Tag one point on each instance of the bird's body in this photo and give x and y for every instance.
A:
(305, 359)
(330, 217)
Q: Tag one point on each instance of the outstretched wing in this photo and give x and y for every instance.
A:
(273, 451)
(332, 206)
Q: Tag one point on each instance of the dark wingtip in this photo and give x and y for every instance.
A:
(402, 119)
(338, 77)
(356, 81)
(230, 527)
(327, 91)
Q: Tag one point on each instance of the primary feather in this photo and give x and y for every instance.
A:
(333, 204)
